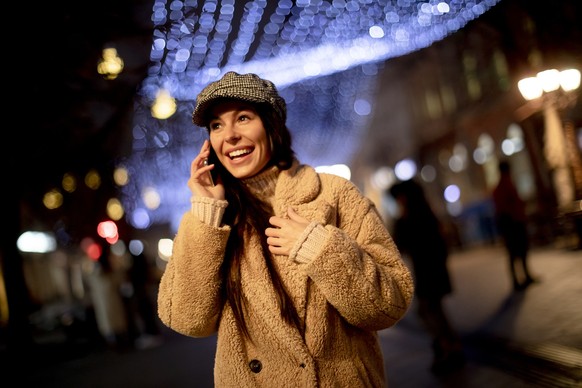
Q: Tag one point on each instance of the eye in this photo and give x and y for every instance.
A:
(214, 125)
(246, 115)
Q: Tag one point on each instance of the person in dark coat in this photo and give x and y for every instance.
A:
(511, 220)
(418, 234)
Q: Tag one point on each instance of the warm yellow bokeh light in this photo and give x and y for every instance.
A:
(53, 199)
(121, 176)
(111, 64)
(93, 180)
(115, 209)
(151, 198)
(164, 105)
(3, 301)
(69, 183)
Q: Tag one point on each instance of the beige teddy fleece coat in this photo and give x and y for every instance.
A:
(355, 285)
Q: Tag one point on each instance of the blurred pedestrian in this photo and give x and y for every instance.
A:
(511, 221)
(293, 268)
(418, 234)
(105, 280)
(142, 316)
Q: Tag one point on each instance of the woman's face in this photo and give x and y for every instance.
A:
(239, 139)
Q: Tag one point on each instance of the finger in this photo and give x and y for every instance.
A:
(197, 169)
(271, 232)
(278, 250)
(194, 169)
(198, 162)
(273, 242)
(277, 221)
(205, 146)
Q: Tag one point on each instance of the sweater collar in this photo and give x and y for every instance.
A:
(298, 185)
(263, 184)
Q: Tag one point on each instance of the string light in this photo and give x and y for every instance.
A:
(324, 57)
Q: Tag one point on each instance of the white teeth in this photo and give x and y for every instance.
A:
(239, 153)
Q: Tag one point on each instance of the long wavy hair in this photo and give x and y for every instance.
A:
(246, 213)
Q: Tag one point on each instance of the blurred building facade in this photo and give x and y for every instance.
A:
(456, 102)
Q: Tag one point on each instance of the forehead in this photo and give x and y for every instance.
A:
(224, 106)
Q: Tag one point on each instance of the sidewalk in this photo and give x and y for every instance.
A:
(531, 338)
(528, 339)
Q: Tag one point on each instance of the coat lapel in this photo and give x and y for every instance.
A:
(256, 283)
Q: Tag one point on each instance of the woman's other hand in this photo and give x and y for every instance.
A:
(285, 232)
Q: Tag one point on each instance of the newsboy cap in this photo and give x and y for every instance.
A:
(246, 87)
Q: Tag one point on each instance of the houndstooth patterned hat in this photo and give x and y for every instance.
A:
(247, 87)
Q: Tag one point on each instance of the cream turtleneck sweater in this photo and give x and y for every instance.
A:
(263, 184)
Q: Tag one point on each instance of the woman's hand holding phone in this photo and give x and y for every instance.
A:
(201, 182)
(207, 163)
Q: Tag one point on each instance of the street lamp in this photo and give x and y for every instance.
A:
(549, 81)
(556, 90)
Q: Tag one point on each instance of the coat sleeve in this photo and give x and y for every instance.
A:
(189, 296)
(358, 266)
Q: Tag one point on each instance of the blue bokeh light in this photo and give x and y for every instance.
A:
(324, 56)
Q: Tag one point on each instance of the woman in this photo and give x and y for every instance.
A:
(294, 269)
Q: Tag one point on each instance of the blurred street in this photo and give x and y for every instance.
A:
(531, 338)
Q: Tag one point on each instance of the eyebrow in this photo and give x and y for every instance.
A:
(237, 108)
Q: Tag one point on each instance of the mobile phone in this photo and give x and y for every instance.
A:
(206, 163)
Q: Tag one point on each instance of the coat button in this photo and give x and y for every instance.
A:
(255, 366)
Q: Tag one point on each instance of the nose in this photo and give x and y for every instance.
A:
(231, 136)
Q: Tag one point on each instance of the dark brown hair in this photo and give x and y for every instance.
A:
(246, 213)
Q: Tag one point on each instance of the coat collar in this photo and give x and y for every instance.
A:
(298, 185)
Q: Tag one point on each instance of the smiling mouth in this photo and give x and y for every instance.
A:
(239, 153)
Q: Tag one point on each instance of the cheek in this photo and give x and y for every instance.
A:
(215, 143)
